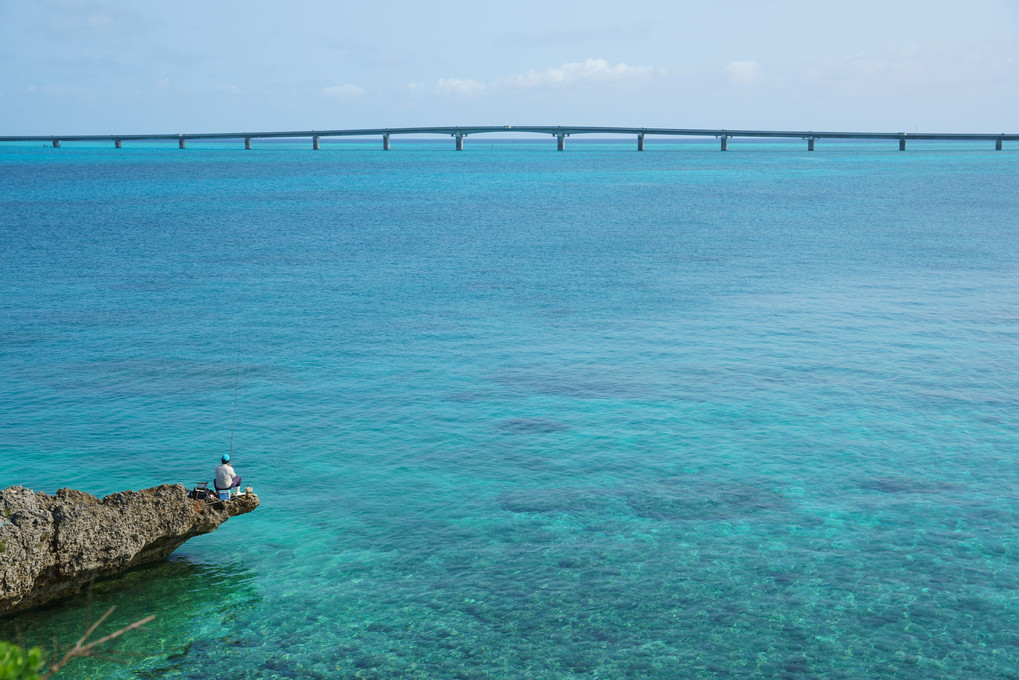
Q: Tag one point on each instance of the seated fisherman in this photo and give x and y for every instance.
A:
(226, 478)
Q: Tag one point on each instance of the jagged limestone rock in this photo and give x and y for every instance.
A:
(53, 546)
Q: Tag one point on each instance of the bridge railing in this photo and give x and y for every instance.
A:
(560, 132)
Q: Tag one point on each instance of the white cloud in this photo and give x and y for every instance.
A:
(912, 66)
(461, 86)
(232, 89)
(744, 72)
(557, 77)
(71, 91)
(561, 35)
(343, 93)
(587, 71)
(93, 25)
(88, 20)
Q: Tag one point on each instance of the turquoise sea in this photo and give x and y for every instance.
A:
(521, 414)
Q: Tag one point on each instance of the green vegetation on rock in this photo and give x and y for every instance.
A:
(16, 664)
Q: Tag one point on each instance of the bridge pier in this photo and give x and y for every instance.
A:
(385, 142)
(640, 142)
(902, 143)
(560, 144)
(180, 143)
(247, 143)
(118, 144)
(725, 143)
(810, 143)
(459, 141)
(314, 143)
(56, 143)
(997, 144)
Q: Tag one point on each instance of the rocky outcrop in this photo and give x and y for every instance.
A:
(53, 546)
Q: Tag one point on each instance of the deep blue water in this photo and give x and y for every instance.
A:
(515, 413)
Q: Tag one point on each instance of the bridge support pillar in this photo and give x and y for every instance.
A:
(810, 144)
(560, 144)
(725, 143)
(118, 144)
(247, 143)
(314, 143)
(385, 142)
(640, 142)
(56, 143)
(902, 143)
(181, 144)
(997, 145)
(459, 141)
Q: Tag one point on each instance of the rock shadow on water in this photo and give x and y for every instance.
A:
(531, 426)
(705, 501)
(902, 485)
(159, 376)
(556, 500)
(667, 501)
(573, 383)
(467, 397)
(185, 597)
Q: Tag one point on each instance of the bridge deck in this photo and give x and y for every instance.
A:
(556, 131)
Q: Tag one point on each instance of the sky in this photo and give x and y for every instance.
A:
(122, 67)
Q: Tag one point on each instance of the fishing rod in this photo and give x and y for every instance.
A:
(237, 377)
(201, 491)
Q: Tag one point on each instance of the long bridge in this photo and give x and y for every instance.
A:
(559, 132)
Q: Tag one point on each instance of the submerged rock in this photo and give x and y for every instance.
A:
(53, 546)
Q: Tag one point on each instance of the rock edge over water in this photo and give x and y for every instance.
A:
(53, 546)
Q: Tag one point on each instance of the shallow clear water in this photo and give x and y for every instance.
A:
(515, 413)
